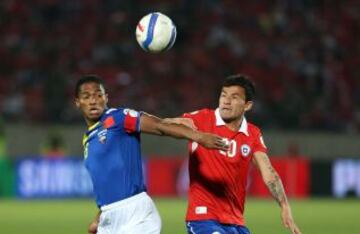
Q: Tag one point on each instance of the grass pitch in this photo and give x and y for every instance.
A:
(315, 216)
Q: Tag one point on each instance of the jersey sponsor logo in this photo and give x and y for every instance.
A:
(131, 112)
(201, 210)
(245, 150)
(109, 122)
(104, 221)
(102, 136)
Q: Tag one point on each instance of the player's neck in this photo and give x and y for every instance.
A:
(235, 124)
(90, 122)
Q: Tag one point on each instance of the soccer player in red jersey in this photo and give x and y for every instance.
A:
(218, 178)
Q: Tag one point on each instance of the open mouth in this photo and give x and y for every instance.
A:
(94, 111)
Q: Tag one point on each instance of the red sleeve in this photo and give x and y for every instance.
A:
(259, 145)
(131, 121)
(196, 116)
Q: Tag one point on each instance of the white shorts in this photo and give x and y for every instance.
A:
(133, 215)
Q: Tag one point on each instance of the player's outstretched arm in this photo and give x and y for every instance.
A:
(276, 188)
(153, 125)
(184, 121)
(92, 229)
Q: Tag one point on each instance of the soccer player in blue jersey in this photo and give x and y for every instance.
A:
(113, 159)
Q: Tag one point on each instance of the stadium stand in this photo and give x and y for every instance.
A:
(303, 55)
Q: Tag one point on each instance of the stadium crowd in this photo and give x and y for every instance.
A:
(304, 56)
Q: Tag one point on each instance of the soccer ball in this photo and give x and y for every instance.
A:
(155, 32)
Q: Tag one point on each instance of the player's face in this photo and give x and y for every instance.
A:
(232, 104)
(92, 101)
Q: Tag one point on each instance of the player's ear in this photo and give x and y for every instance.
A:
(106, 98)
(77, 103)
(248, 105)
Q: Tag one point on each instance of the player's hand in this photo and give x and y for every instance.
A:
(288, 220)
(184, 121)
(92, 229)
(212, 141)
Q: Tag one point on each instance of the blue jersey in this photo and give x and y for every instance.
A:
(113, 156)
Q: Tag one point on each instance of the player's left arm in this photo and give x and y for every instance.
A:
(276, 188)
(153, 125)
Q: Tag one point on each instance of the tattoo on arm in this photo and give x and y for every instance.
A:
(275, 185)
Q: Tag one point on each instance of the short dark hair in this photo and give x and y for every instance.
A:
(88, 79)
(242, 81)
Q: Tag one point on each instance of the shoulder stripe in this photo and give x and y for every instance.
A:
(110, 110)
(93, 126)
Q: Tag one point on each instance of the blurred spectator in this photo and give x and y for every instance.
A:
(303, 55)
(53, 146)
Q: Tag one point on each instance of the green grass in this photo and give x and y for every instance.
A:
(316, 216)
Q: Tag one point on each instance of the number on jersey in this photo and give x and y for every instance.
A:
(232, 148)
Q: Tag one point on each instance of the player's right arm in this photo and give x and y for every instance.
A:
(92, 229)
(157, 126)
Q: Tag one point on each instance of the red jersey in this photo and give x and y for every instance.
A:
(218, 178)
